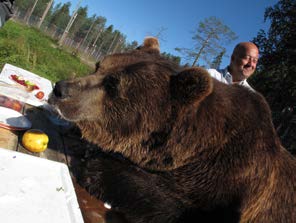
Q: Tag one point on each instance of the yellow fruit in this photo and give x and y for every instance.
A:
(35, 140)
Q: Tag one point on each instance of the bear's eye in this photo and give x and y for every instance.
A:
(110, 85)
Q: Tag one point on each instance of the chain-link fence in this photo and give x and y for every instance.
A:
(88, 49)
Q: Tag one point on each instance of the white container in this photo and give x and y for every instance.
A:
(34, 189)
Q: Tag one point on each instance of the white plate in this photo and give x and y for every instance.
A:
(34, 189)
(44, 84)
(12, 118)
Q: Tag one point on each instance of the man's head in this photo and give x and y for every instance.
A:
(243, 61)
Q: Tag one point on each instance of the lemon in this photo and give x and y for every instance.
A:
(35, 140)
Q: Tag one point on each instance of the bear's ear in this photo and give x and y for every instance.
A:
(150, 44)
(191, 85)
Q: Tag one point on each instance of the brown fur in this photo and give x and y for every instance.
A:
(216, 142)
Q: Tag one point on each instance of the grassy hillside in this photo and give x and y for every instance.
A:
(30, 49)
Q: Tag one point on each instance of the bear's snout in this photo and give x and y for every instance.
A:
(65, 89)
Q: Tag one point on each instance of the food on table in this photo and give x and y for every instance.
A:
(29, 85)
(35, 140)
(11, 103)
(39, 95)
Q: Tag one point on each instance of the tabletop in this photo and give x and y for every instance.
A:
(64, 146)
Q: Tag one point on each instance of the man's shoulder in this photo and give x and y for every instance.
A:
(212, 70)
(215, 73)
(218, 74)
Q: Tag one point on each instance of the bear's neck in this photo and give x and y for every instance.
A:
(176, 144)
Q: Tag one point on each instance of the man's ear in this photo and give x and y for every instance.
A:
(191, 85)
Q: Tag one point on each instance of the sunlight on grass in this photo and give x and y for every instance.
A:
(30, 49)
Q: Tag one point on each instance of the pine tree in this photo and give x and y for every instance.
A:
(276, 75)
(210, 37)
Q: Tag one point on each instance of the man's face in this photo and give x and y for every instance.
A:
(244, 63)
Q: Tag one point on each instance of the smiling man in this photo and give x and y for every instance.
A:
(242, 65)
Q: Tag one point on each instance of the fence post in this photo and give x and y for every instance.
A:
(70, 23)
(30, 13)
(45, 13)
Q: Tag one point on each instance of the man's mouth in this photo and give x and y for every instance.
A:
(248, 68)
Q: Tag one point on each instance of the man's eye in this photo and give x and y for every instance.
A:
(248, 58)
(110, 85)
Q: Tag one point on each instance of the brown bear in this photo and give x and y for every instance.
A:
(191, 149)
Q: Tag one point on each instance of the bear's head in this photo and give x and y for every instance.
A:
(145, 107)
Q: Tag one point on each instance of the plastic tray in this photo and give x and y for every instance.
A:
(44, 85)
(34, 189)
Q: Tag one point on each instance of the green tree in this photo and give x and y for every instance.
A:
(91, 29)
(218, 59)
(171, 57)
(77, 28)
(131, 46)
(34, 9)
(59, 16)
(276, 74)
(115, 39)
(210, 38)
(105, 40)
(23, 5)
(96, 32)
(40, 7)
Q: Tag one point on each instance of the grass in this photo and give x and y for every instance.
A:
(30, 49)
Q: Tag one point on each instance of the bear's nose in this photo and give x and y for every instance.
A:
(62, 89)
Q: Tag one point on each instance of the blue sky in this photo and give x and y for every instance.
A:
(137, 19)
